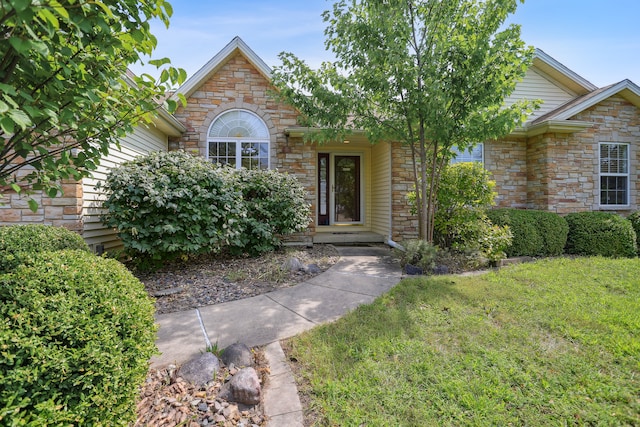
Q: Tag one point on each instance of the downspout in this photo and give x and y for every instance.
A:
(389, 240)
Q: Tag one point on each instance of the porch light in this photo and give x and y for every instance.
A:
(346, 141)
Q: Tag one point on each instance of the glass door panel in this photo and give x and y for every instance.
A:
(346, 192)
(323, 189)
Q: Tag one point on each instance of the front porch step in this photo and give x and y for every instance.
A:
(348, 237)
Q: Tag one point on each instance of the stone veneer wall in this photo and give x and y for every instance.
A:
(64, 211)
(507, 161)
(238, 85)
(404, 225)
(563, 168)
(559, 172)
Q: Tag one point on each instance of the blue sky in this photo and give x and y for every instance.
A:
(598, 39)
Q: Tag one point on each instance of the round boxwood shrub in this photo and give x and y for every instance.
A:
(167, 204)
(76, 335)
(600, 233)
(20, 242)
(535, 233)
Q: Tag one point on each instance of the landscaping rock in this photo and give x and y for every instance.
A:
(237, 354)
(244, 388)
(201, 369)
(441, 269)
(313, 269)
(293, 264)
(413, 270)
(167, 292)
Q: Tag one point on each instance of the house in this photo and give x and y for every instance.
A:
(579, 152)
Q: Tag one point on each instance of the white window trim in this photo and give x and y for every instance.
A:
(627, 175)
(238, 141)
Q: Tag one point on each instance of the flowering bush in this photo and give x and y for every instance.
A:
(172, 203)
(275, 204)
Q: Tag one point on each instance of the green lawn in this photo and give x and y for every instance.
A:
(551, 343)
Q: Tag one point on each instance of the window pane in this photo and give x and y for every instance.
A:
(223, 153)
(255, 155)
(475, 155)
(613, 190)
(614, 158)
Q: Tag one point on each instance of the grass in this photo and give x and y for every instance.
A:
(551, 343)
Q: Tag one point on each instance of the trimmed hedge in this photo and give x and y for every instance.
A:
(19, 243)
(535, 233)
(76, 335)
(634, 218)
(600, 233)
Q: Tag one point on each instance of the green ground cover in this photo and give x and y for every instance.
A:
(556, 342)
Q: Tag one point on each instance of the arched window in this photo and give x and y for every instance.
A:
(239, 138)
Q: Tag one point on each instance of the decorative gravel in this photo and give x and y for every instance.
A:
(207, 280)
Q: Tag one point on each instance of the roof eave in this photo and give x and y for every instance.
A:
(163, 120)
(555, 126)
(168, 124)
(561, 73)
(355, 135)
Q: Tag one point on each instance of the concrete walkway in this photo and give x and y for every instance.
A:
(362, 274)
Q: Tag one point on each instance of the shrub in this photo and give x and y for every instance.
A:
(535, 233)
(20, 242)
(465, 193)
(76, 335)
(276, 205)
(418, 253)
(460, 223)
(171, 203)
(554, 230)
(634, 218)
(600, 233)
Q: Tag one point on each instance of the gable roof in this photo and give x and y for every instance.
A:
(561, 74)
(626, 88)
(215, 63)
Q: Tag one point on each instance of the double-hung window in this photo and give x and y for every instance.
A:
(614, 174)
(239, 139)
(475, 154)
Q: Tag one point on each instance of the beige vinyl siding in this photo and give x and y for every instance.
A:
(381, 189)
(536, 85)
(142, 141)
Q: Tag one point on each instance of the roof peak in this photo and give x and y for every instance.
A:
(219, 59)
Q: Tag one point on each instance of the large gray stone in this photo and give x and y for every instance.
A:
(244, 387)
(237, 354)
(292, 264)
(201, 369)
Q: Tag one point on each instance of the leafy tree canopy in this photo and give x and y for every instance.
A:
(433, 74)
(65, 94)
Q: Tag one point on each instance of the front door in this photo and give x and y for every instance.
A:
(339, 189)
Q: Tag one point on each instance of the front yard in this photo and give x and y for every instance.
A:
(556, 342)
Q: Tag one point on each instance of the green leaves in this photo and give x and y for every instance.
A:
(85, 368)
(432, 74)
(168, 204)
(64, 64)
